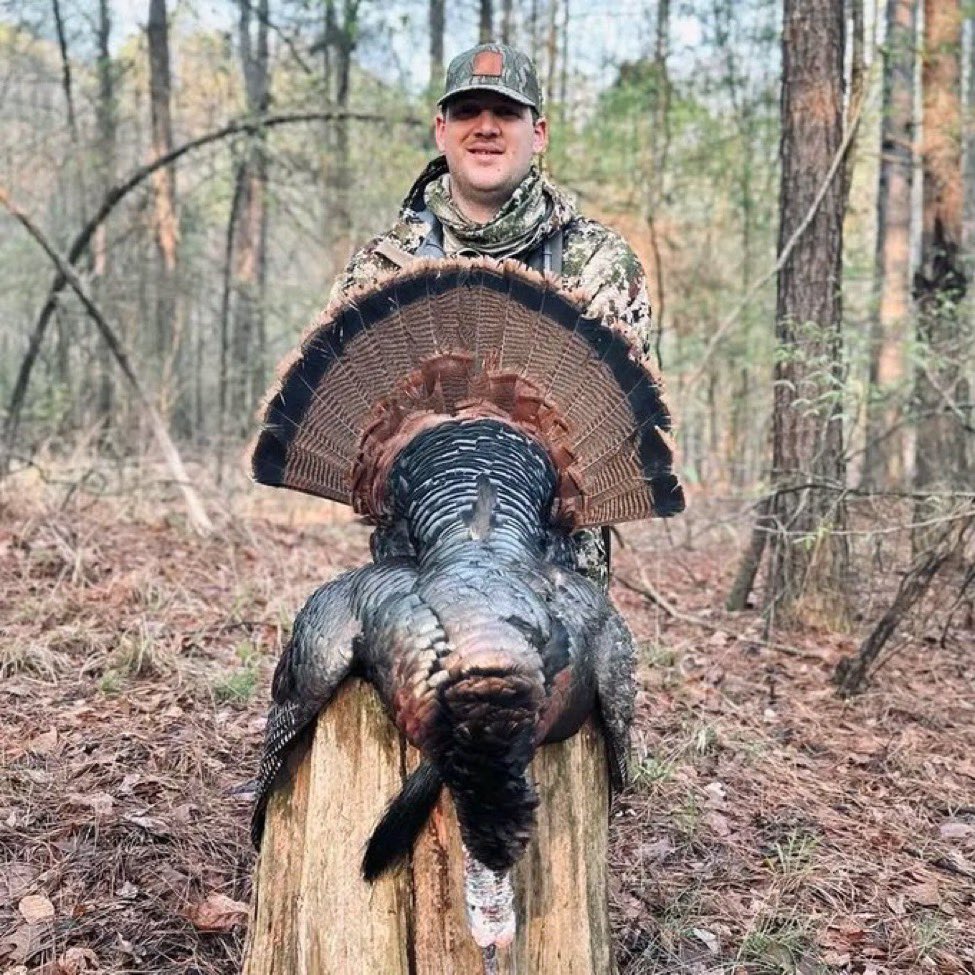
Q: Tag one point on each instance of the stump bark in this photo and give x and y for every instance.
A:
(312, 914)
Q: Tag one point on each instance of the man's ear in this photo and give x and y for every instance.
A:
(438, 126)
(540, 135)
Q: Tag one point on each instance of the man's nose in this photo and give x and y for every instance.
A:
(487, 122)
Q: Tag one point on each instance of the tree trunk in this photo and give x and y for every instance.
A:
(165, 221)
(311, 912)
(65, 71)
(659, 149)
(551, 52)
(485, 31)
(507, 21)
(345, 35)
(883, 460)
(968, 229)
(106, 125)
(437, 13)
(941, 393)
(809, 562)
(249, 263)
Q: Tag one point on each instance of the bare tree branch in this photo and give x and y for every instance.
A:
(199, 519)
(725, 324)
(112, 198)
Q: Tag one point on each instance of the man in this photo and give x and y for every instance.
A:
(485, 196)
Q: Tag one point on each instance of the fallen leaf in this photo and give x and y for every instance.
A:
(926, 894)
(896, 903)
(15, 879)
(77, 960)
(716, 794)
(44, 743)
(184, 813)
(100, 803)
(22, 943)
(836, 959)
(130, 782)
(656, 851)
(709, 938)
(151, 825)
(718, 823)
(217, 913)
(954, 830)
(36, 908)
(128, 891)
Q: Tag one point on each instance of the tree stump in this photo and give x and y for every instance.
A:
(311, 912)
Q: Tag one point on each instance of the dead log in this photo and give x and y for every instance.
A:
(312, 913)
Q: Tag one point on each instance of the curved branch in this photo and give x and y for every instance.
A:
(111, 199)
(197, 513)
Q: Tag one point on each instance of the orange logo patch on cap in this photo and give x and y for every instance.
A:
(488, 63)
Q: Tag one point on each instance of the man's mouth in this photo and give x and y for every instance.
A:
(485, 151)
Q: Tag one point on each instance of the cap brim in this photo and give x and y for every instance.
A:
(515, 96)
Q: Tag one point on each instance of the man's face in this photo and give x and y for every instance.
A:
(489, 142)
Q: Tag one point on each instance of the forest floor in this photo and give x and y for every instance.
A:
(770, 827)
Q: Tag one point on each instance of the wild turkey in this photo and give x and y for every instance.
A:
(473, 414)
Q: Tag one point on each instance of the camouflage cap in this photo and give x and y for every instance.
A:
(494, 67)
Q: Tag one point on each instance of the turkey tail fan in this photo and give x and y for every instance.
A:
(470, 338)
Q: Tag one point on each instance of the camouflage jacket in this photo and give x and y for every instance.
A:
(595, 260)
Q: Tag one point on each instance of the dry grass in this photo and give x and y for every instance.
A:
(771, 827)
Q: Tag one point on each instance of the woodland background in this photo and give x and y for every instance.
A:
(799, 182)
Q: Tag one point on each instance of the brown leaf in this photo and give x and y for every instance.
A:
(184, 813)
(44, 743)
(709, 939)
(22, 943)
(15, 879)
(954, 830)
(100, 803)
(77, 960)
(718, 823)
(896, 903)
(656, 851)
(36, 908)
(217, 913)
(926, 894)
(151, 825)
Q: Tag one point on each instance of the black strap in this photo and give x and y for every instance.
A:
(432, 244)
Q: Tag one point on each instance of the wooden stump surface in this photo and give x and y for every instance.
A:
(312, 914)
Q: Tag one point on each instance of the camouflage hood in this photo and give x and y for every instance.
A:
(536, 209)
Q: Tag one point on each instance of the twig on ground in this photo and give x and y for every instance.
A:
(646, 589)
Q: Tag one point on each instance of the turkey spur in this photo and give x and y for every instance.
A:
(477, 419)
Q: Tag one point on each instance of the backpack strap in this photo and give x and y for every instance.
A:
(432, 244)
(547, 255)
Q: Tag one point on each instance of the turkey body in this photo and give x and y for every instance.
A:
(481, 640)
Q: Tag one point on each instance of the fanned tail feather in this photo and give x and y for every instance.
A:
(465, 339)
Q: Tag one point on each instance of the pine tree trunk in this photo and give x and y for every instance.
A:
(437, 13)
(345, 35)
(941, 393)
(485, 31)
(106, 125)
(165, 221)
(246, 377)
(883, 461)
(808, 568)
(312, 913)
